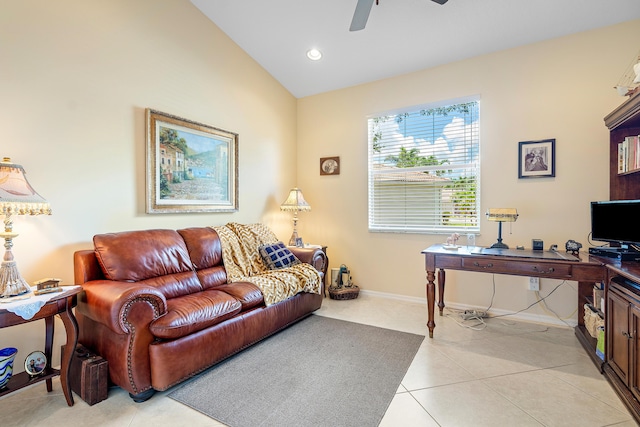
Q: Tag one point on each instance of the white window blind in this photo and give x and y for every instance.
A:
(424, 170)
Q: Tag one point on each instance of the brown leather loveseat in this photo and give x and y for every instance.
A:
(156, 304)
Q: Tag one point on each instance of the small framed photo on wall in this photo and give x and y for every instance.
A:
(537, 159)
(330, 166)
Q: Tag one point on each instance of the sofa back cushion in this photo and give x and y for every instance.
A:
(203, 245)
(205, 251)
(158, 257)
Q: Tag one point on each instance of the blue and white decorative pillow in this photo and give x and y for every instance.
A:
(276, 255)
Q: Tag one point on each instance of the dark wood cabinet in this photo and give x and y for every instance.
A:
(622, 290)
(622, 354)
(622, 122)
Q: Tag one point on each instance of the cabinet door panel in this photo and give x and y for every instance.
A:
(635, 361)
(617, 335)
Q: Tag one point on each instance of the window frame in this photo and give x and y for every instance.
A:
(412, 179)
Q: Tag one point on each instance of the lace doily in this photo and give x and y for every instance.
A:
(28, 305)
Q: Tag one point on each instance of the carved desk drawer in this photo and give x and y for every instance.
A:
(538, 269)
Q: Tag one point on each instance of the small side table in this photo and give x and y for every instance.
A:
(60, 304)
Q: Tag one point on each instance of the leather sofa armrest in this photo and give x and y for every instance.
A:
(116, 304)
(86, 267)
(314, 256)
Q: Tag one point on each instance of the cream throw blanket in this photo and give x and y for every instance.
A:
(243, 263)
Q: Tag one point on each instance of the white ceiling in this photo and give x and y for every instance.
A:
(401, 36)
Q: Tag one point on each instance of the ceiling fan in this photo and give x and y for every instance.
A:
(361, 14)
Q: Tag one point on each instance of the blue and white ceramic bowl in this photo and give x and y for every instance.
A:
(6, 364)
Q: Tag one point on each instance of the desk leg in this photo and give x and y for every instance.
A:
(441, 278)
(48, 346)
(431, 301)
(71, 327)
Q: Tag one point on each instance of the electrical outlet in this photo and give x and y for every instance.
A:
(534, 283)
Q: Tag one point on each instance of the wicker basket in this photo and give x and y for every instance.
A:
(344, 292)
(592, 320)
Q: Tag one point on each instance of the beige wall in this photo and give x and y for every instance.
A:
(76, 77)
(558, 89)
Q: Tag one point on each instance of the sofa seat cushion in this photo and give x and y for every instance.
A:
(191, 313)
(247, 293)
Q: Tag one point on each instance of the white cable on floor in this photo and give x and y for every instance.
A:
(476, 316)
(467, 315)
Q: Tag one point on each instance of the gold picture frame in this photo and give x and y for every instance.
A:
(191, 167)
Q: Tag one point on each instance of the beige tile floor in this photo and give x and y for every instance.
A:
(508, 374)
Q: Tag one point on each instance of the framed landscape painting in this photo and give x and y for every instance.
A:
(191, 167)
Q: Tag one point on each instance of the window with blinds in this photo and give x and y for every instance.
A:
(424, 170)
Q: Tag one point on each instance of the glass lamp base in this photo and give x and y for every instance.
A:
(293, 241)
(11, 282)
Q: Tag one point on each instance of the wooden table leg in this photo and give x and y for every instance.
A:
(431, 301)
(441, 278)
(48, 346)
(71, 327)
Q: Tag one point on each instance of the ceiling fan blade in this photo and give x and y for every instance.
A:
(440, 1)
(361, 15)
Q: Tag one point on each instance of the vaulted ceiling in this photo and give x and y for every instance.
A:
(401, 36)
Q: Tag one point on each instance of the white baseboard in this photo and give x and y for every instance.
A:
(525, 317)
(396, 297)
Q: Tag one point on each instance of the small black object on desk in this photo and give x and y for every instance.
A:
(537, 245)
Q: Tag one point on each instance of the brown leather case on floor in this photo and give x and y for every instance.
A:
(88, 375)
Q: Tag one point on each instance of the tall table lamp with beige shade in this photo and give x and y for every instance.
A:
(295, 203)
(17, 197)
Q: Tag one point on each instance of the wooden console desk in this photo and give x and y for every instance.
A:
(586, 270)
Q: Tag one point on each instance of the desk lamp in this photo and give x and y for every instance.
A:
(17, 197)
(501, 215)
(295, 202)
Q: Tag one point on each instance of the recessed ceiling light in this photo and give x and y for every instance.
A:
(314, 54)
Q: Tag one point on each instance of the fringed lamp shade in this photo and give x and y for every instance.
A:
(17, 197)
(295, 203)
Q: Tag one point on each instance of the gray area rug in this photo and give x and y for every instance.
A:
(318, 372)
